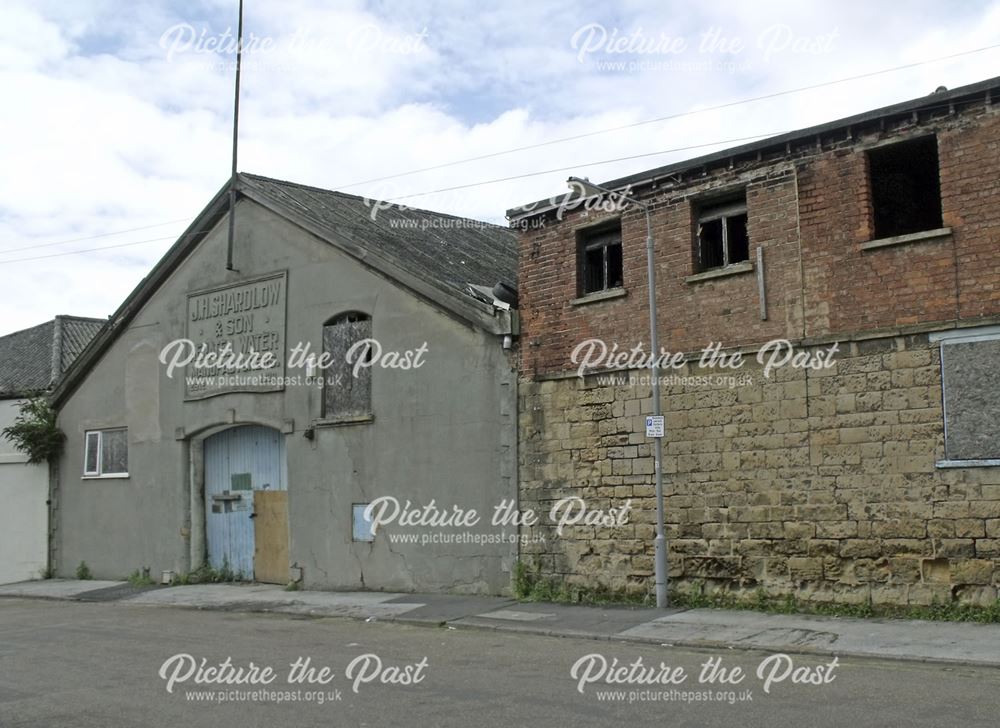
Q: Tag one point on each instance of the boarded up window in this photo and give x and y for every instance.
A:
(347, 383)
(106, 452)
(970, 372)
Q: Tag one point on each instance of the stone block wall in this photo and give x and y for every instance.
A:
(818, 483)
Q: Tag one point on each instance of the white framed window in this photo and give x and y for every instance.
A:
(106, 453)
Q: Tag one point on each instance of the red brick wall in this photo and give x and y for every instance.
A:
(970, 196)
(818, 203)
(727, 310)
(550, 324)
(847, 289)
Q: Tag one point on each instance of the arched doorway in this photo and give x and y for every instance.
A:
(246, 503)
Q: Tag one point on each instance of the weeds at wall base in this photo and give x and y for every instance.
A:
(207, 574)
(788, 604)
(140, 578)
(531, 587)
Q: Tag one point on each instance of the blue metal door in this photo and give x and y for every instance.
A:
(239, 461)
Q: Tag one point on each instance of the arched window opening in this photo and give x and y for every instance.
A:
(347, 383)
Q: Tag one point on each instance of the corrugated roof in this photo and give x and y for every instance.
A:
(32, 360)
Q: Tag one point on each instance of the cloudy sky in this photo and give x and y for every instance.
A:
(116, 116)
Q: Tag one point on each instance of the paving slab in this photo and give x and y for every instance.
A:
(116, 593)
(56, 588)
(562, 619)
(959, 642)
(267, 598)
(441, 608)
(947, 642)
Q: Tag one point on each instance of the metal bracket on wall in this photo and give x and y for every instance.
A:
(227, 496)
(760, 284)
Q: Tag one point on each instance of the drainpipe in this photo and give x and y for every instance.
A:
(660, 543)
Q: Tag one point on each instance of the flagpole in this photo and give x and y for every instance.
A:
(236, 136)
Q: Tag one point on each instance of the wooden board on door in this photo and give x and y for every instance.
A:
(270, 562)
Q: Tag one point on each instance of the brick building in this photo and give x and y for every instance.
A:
(876, 478)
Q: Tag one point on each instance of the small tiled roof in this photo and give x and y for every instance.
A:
(32, 360)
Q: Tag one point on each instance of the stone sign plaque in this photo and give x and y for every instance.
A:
(239, 323)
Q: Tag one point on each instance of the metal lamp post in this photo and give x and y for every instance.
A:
(660, 558)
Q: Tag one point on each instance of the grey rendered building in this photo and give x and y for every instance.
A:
(31, 362)
(267, 470)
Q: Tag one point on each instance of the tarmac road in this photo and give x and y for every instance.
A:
(83, 664)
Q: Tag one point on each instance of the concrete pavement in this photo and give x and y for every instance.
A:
(81, 664)
(948, 642)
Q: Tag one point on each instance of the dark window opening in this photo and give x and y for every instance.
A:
(905, 187)
(722, 237)
(600, 259)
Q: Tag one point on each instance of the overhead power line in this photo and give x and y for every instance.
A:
(584, 165)
(481, 183)
(93, 237)
(526, 148)
(94, 250)
(669, 117)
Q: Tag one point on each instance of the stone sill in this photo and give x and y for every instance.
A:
(110, 476)
(924, 235)
(599, 296)
(729, 270)
(967, 463)
(344, 421)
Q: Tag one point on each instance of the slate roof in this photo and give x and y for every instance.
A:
(32, 360)
(443, 249)
(437, 256)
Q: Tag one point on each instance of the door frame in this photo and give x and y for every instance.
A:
(195, 528)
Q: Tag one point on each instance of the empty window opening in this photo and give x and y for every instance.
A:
(600, 256)
(722, 237)
(905, 187)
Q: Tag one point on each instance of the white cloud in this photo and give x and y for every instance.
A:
(108, 126)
